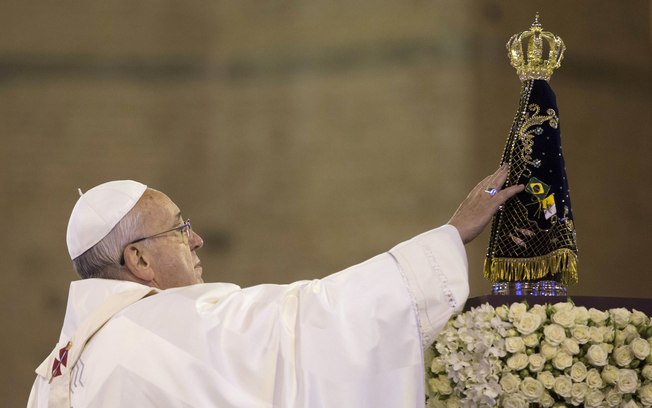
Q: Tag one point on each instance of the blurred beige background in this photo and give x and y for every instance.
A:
(303, 137)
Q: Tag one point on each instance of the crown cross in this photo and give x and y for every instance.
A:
(530, 64)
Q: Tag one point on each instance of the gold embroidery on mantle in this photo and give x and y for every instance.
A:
(527, 130)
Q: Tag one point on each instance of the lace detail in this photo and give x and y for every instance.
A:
(415, 306)
(434, 266)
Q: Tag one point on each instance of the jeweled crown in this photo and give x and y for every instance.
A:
(530, 64)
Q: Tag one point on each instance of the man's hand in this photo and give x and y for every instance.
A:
(475, 212)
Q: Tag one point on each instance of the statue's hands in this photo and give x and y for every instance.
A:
(475, 212)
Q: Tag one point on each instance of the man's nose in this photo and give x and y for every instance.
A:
(195, 241)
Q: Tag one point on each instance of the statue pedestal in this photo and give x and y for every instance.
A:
(599, 302)
(536, 288)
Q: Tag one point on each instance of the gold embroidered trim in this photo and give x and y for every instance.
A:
(561, 264)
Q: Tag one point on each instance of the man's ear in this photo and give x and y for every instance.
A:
(137, 263)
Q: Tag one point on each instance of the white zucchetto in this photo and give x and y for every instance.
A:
(99, 210)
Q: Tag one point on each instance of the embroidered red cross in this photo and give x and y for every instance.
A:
(61, 361)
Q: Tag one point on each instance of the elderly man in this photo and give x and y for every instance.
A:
(143, 330)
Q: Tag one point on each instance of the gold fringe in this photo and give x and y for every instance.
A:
(561, 263)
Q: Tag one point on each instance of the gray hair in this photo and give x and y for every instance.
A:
(102, 260)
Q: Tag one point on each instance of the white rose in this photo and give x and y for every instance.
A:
(593, 398)
(646, 372)
(581, 315)
(639, 318)
(645, 395)
(610, 374)
(629, 404)
(531, 340)
(438, 365)
(515, 344)
(578, 393)
(548, 351)
(578, 372)
(516, 310)
(509, 383)
(502, 312)
(631, 332)
(594, 380)
(620, 338)
(436, 403)
(554, 333)
(640, 348)
(539, 310)
(598, 316)
(607, 333)
(440, 385)
(613, 398)
(453, 402)
(570, 346)
(563, 386)
(517, 361)
(620, 316)
(537, 361)
(607, 347)
(564, 318)
(581, 334)
(623, 356)
(546, 400)
(514, 401)
(562, 360)
(627, 381)
(547, 379)
(531, 389)
(562, 306)
(596, 356)
(528, 323)
(596, 334)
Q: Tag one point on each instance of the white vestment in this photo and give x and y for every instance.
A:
(353, 339)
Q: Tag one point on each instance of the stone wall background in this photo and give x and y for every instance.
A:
(302, 137)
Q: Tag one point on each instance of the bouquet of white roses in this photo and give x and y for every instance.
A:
(542, 356)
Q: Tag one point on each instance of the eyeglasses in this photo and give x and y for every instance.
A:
(184, 228)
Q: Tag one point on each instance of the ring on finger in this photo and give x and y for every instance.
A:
(491, 191)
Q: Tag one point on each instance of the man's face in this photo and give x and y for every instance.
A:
(172, 256)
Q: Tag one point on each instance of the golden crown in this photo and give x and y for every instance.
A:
(532, 65)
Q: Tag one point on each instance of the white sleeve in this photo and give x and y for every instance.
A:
(434, 265)
(360, 333)
(352, 339)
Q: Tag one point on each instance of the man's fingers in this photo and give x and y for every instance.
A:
(497, 179)
(481, 186)
(501, 176)
(507, 193)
